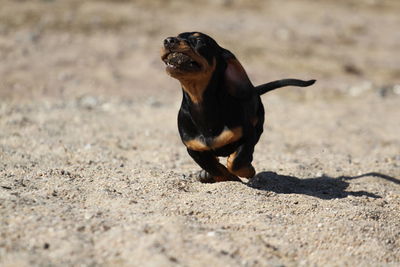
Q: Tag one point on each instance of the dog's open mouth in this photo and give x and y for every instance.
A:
(180, 61)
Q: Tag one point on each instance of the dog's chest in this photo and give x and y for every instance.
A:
(225, 137)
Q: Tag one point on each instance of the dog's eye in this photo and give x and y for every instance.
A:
(200, 43)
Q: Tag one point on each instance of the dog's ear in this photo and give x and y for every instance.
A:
(236, 80)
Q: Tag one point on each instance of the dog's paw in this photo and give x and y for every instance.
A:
(204, 177)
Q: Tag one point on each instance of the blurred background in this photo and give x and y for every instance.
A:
(69, 48)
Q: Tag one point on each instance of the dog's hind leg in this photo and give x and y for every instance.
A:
(239, 162)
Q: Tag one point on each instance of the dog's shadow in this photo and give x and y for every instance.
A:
(323, 187)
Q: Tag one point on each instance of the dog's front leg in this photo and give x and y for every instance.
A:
(210, 164)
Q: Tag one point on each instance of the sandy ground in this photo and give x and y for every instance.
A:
(92, 171)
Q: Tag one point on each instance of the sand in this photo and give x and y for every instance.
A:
(93, 172)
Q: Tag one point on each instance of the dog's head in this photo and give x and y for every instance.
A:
(193, 58)
(189, 55)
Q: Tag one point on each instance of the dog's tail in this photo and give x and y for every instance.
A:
(264, 88)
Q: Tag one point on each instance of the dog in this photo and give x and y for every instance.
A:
(221, 113)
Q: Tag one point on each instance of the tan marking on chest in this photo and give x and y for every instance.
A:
(226, 137)
(197, 145)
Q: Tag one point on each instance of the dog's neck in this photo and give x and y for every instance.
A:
(195, 85)
(195, 89)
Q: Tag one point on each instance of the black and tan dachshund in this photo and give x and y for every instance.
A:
(221, 114)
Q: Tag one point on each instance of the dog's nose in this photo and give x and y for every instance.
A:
(170, 42)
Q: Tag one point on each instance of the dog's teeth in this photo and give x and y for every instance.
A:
(170, 65)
